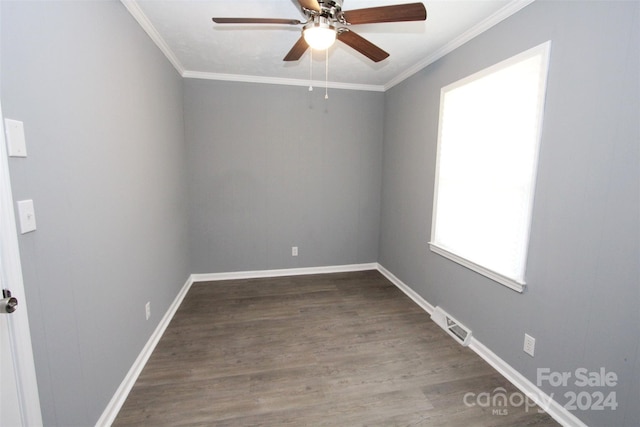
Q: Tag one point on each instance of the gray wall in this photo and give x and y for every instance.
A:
(271, 167)
(111, 174)
(102, 110)
(582, 303)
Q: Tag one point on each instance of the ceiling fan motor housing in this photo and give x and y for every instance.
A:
(330, 10)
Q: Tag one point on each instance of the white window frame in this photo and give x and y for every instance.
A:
(517, 283)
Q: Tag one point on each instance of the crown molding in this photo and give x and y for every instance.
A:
(147, 26)
(508, 10)
(280, 81)
(502, 14)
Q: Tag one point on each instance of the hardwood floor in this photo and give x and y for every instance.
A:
(343, 349)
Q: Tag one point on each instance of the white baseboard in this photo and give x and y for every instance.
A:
(114, 406)
(111, 411)
(406, 289)
(283, 272)
(546, 402)
(554, 409)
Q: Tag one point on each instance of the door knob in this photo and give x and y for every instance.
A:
(8, 304)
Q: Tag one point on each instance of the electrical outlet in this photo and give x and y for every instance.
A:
(529, 344)
(294, 251)
(147, 309)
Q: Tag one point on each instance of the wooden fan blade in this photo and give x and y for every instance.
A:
(363, 46)
(310, 4)
(255, 21)
(395, 13)
(297, 50)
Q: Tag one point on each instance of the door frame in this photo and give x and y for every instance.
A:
(18, 322)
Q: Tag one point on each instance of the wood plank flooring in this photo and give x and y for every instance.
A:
(343, 349)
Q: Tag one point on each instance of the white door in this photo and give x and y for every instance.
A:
(9, 402)
(19, 400)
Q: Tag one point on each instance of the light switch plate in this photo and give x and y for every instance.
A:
(27, 216)
(16, 143)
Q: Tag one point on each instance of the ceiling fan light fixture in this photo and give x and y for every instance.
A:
(319, 34)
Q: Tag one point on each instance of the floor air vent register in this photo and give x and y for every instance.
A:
(459, 332)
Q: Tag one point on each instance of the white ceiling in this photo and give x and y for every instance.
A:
(198, 48)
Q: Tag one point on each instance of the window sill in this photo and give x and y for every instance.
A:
(496, 277)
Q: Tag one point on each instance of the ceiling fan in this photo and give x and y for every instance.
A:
(326, 22)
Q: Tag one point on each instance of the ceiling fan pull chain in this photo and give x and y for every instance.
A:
(310, 70)
(326, 75)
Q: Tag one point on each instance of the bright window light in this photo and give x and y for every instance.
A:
(489, 133)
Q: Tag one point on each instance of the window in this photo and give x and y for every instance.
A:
(489, 132)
